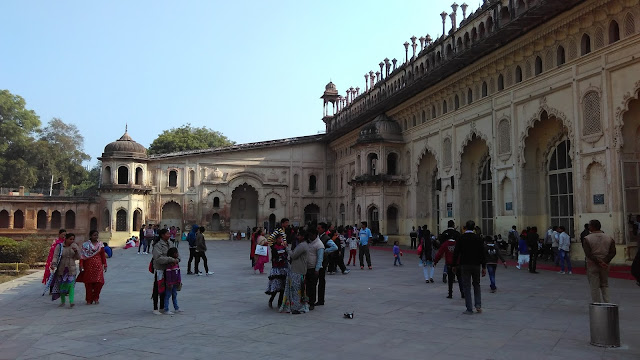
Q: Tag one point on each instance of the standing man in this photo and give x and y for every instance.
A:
(141, 238)
(599, 248)
(512, 238)
(364, 235)
(414, 237)
(315, 256)
(564, 247)
(469, 254)
(201, 249)
(532, 243)
(282, 230)
(554, 245)
(328, 247)
(191, 239)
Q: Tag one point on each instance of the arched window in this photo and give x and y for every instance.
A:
(518, 74)
(70, 220)
(106, 220)
(372, 160)
(629, 25)
(121, 220)
(312, 183)
(18, 219)
(106, 175)
(456, 102)
(405, 124)
(614, 32)
(329, 182)
(561, 187)
(585, 44)
(4, 219)
(138, 180)
(486, 188)
(56, 220)
(296, 183)
(392, 164)
(446, 149)
(41, 221)
(598, 38)
(444, 106)
(504, 137)
(484, 89)
(433, 112)
(93, 223)
(560, 58)
(192, 178)
(392, 220)
(414, 121)
(500, 82)
(591, 114)
(469, 96)
(272, 203)
(216, 202)
(424, 116)
(123, 175)
(538, 66)
(173, 178)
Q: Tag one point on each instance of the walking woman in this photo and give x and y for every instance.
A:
(262, 259)
(93, 265)
(279, 268)
(426, 256)
(252, 253)
(54, 245)
(295, 298)
(63, 267)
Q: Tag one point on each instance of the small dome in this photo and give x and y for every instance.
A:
(381, 129)
(330, 86)
(125, 146)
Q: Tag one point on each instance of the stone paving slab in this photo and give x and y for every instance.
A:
(397, 316)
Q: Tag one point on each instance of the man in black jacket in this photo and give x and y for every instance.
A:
(532, 244)
(469, 254)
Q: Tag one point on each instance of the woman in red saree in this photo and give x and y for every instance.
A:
(93, 264)
(47, 271)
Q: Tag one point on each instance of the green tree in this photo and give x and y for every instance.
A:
(18, 125)
(187, 137)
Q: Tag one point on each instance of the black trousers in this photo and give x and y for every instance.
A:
(337, 261)
(322, 284)
(364, 252)
(156, 295)
(192, 255)
(413, 243)
(451, 278)
(311, 282)
(533, 261)
(203, 256)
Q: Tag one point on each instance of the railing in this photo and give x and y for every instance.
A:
(44, 192)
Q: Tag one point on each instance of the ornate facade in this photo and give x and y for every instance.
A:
(525, 113)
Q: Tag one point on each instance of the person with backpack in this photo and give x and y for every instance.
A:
(191, 239)
(426, 254)
(448, 240)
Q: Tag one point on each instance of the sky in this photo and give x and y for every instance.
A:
(251, 69)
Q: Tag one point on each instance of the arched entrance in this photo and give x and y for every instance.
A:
(56, 220)
(121, 220)
(93, 223)
(392, 220)
(272, 222)
(311, 213)
(215, 222)
(172, 214)
(373, 219)
(475, 156)
(137, 219)
(41, 220)
(4, 219)
(547, 176)
(244, 208)
(630, 158)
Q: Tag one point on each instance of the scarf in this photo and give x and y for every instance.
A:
(89, 249)
(47, 271)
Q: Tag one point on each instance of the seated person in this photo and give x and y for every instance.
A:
(107, 250)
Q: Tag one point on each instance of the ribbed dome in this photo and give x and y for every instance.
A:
(330, 86)
(125, 146)
(381, 129)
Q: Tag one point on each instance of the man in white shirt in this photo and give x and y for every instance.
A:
(564, 248)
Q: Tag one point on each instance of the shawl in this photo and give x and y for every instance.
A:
(47, 271)
(89, 249)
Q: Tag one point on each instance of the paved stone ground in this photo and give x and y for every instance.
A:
(397, 316)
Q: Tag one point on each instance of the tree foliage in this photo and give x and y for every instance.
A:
(30, 155)
(188, 137)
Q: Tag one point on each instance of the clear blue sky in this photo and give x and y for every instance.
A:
(253, 70)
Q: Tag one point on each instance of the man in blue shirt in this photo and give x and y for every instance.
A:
(364, 235)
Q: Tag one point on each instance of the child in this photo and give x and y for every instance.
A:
(173, 281)
(396, 253)
(492, 255)
(353, 249)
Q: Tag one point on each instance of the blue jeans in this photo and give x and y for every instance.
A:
(491, 269)
(173, 294)
(471, 276)
(397, 259)
(146, 242)
(565, 256)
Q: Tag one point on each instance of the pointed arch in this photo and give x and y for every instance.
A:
(550, 112)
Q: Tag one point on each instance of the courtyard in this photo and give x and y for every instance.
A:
(396, 316)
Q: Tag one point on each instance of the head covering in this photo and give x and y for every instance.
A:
(89, 249)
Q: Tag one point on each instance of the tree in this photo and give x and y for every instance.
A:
(187, 137)
(17, 127)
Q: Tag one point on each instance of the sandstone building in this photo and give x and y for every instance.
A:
(525, 113)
